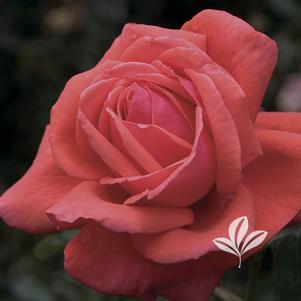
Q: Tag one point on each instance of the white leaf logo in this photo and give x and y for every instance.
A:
(238, 243)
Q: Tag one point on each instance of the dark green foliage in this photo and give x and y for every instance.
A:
(287, 266)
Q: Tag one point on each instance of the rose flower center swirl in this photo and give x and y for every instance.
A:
(150, 135)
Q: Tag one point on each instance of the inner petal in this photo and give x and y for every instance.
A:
(139, 105)
(164, 146)
(167, 116)
(147, 106)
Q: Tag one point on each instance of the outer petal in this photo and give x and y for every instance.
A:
(140, 30)
(91, 104)
(132, 32)
(93, 201)
(276, 175)
(235, 101)
(290, 122)
(274, 181)
(297, 218)
(24, 205)
(248, 55)
(183, 57)
(212, 218)
(147, 49)
(62, 131)
(107, 262)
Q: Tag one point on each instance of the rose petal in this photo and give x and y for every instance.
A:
(297, 219)
(24, 205)
(227, 145)
(93, 201)
(182, 57)
(166, 147)
(274, 181)
(276, 175)
(169, 117)
(235, 101)
(139, 106)
(91, 104)
(113, 158)
(127, 69)
(141, 30)
(111, 102)
(132, 32)
(63, 142)
(147, 49)
(138, 185)
(192, 179)
(186, 108)
(127, 143)
(212, 218)
(248, 55)
(290, 121)
(111, 257)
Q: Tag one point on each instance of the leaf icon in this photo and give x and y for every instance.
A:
(239, 226)
(242, 231)
(226, 245)
(237, 244)
(252, 242)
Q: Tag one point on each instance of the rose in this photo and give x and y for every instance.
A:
(155, 151)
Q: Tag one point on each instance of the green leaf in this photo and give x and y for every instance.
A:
(30, 288)
(287, 266)
(53, 244)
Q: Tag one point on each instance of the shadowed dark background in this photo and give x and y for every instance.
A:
(44, 43)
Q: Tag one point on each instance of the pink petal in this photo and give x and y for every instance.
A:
(169, 117)
(102, 260)
(276, 175)
(141, 30)
(138, 185)
(165, 147)
(147, 49)
(143, 72)
(91, 104)
(93, 201)
(248, 55)
(110, 155)
(212, 219)
(139, 106)
(127, 143)
(274, 181)
(227, 145)
(192, 179)
(132, 32)
(235, 101)
(182, 57)
(290, 121)
(62, 130)
(24, 205)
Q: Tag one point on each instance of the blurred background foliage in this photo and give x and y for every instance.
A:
(42, 44)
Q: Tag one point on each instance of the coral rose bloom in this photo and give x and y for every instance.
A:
(155, 151)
